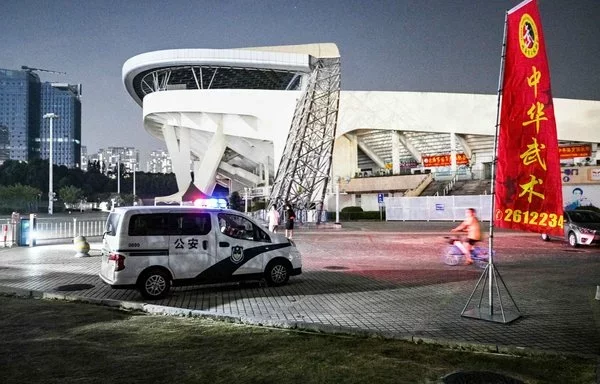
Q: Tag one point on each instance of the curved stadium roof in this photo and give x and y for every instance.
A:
(213, 69)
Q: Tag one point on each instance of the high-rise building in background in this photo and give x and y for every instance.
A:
(4, 143)
(84, 159)
(20, 113)
(63, 100)
(160, 162)
(23, 102)
(129, 157)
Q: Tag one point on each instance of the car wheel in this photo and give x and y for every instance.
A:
(545, 237)
(573, 239)
(154, 284)
(277, 272)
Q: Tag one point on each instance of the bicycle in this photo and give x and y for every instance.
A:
(453, 255)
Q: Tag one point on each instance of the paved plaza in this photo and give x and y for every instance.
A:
(384, 279)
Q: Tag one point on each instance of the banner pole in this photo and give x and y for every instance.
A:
(490, 269)
(493, 190)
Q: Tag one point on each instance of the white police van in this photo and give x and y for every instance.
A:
(156, 247)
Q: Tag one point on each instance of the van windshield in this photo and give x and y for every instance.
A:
(111, 224)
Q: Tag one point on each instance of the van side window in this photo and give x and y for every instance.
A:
(240, 228)
(111, 224)
(193, 223)
(154, 224)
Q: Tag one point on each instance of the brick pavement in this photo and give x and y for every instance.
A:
(380, 278)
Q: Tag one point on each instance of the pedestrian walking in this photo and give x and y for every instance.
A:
(290, 217)
(273, 219)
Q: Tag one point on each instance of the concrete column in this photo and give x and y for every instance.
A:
(266, 168)
(453, 151)
(179, 150)
(205, 174)
(395, 152)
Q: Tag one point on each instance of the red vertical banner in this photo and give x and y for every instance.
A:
(528, 189)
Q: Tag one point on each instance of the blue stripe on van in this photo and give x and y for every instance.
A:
(225, 268)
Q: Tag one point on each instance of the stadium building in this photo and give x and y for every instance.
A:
(225, 116)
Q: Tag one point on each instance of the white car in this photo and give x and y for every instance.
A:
(581, 227)
(154, 248)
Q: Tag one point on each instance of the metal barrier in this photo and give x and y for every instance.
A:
(9, 232)
(49, 229)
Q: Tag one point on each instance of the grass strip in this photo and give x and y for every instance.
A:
(50, 341)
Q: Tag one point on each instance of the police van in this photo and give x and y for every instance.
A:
(153, 248)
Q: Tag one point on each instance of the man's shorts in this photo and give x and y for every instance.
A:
(472, 242)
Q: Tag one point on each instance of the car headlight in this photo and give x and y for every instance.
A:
(584, 231)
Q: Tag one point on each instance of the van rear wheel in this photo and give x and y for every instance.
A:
(277, 272)
(154, 284)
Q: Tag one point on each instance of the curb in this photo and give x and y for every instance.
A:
(301, 326)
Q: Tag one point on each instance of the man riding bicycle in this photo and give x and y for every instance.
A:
(472, 226)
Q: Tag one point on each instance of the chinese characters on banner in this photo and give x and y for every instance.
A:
(528, 178)
(444, 160)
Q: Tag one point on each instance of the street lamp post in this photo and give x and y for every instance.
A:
(245, 200)
(50, 116)
(119, 175)
(337, 202)
(134, 199)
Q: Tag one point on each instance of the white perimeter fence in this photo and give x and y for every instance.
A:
(443, 208)
(49, 229)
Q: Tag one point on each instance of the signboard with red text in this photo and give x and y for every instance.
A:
(573, 151)
(444, 160)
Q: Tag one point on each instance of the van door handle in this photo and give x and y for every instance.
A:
(223, 244)
(205, 244)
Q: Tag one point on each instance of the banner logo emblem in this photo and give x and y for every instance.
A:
(528, 36)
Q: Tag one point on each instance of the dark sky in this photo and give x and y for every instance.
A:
(386, 45)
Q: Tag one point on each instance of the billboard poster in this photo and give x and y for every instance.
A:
(581, 196)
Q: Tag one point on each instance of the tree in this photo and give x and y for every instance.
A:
(235, 201)
(19, 197)
(94, 166)
(70, 195)
(93, 183)
(13, 172)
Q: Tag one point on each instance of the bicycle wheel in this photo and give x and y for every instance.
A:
(453, 256)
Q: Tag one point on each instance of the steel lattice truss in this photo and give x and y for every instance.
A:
(303, 172)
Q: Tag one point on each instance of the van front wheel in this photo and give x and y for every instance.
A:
(277, 272)
(154, 284)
